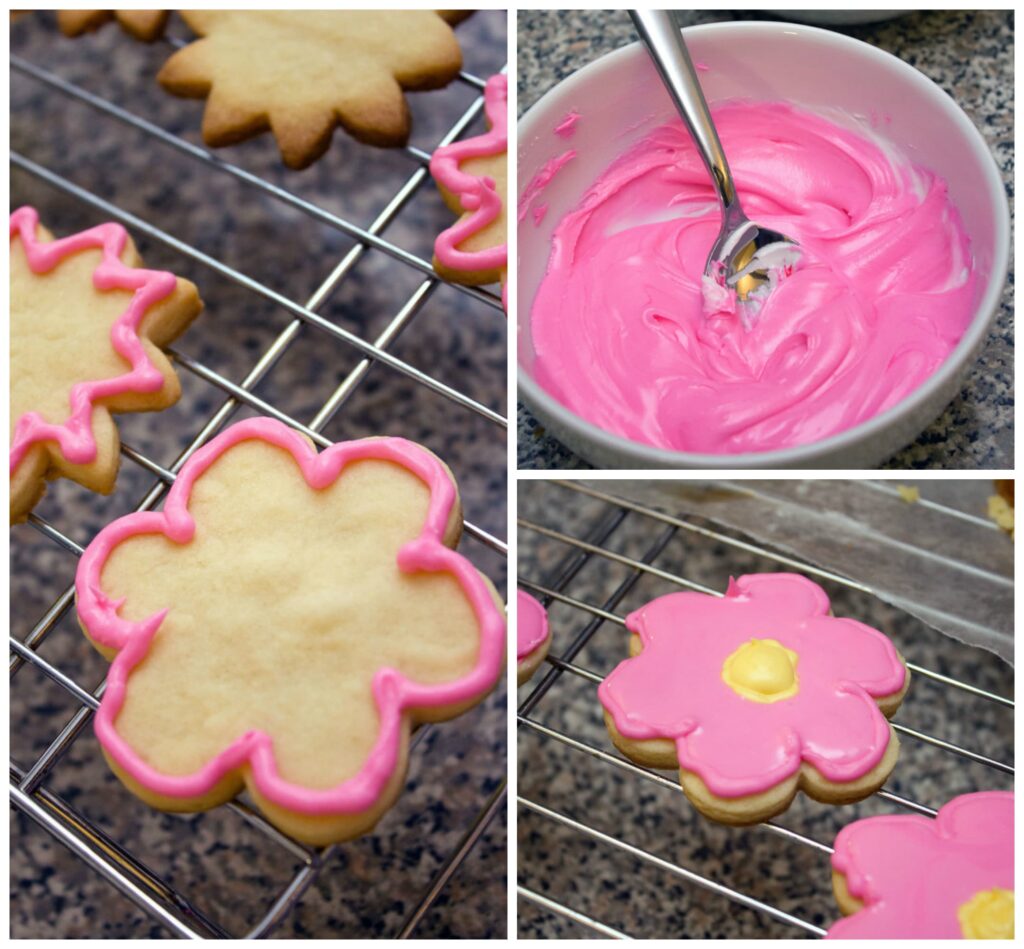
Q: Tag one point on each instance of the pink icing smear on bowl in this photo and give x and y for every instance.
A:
(883, 292)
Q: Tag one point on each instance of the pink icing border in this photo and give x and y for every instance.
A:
(865, 847)
(531, 625)
(75, 436)
(392, 691)
(478, 195)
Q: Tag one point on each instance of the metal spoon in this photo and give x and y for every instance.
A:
(737, 253)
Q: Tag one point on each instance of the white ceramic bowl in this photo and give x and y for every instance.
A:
(840, 17)
(621, 100)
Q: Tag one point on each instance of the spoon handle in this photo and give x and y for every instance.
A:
(660, 33)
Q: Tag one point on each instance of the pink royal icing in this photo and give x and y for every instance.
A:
(913, 873)
(675, 689)
(567, 127)
(476, 194)
(531, 625)
(74, 435)
(539, 182)
(393, 692)
(883, 293)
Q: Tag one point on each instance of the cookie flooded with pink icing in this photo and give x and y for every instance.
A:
(87, 324)
(905, 876)
(755, 695)
(883, 292)
(282, 626)
(472, 176)
(533, 637)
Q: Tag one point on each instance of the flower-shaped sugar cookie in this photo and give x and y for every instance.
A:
(1000, 505)
(905, 876)
(145, 25)
(300, 73)
(473, 179)
(86, 326)
(533, 638)
(283, 625)
(755, 695)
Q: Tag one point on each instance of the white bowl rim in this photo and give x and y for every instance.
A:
(645, 455)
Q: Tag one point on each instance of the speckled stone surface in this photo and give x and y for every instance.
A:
(227, 869)
(643, 900)
(968, 54)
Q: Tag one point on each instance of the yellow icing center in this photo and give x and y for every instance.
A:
(763, 670)
(987, 915)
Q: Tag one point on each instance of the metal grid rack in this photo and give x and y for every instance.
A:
(562, 664)
(138, 882)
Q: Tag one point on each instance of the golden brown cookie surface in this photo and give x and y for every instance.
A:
(300, 74)
(145, 25)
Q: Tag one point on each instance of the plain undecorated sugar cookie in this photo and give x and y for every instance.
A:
(302, 73)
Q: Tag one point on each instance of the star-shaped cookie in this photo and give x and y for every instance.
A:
(86, 326)
(301, 73)
(145, 25)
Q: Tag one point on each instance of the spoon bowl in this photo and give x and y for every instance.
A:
(744, 256)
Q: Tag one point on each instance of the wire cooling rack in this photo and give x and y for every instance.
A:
(164, 900)
(620, 880)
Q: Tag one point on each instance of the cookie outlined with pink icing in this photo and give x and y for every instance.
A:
(473, 179)
(533, 635)
(283, 624)
(72, 367)
(906, 876)
(756, 695)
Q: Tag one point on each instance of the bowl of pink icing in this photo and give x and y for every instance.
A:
(881, 178)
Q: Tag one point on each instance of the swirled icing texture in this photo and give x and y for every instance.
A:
(531, 625)
(884, 291)
(913, 873)
(675, 689)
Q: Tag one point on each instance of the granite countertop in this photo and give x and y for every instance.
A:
(970, 55)
(646, 901)
(230, 871)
